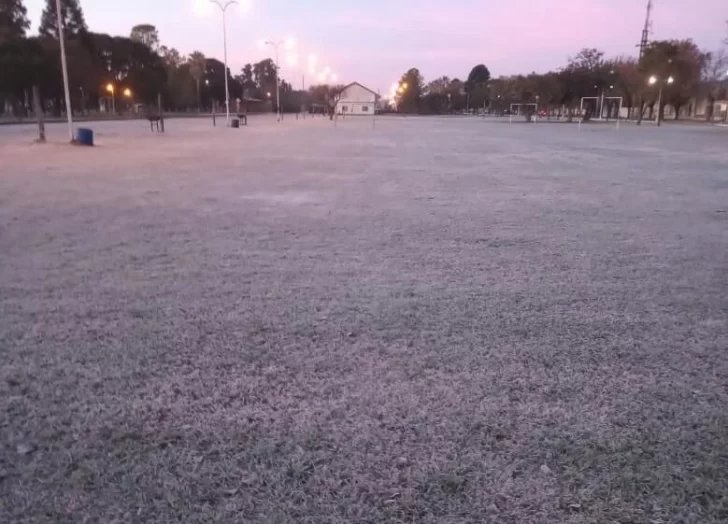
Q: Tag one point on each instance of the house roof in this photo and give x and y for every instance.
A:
(360, 85)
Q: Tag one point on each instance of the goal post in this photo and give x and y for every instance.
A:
(600, 103)
(606, 101)
(518, 107)
(585, 98)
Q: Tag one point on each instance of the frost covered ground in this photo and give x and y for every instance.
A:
(430, 321)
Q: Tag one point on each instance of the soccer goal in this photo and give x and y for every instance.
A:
(609, 103)
(522, 109)
(586, 102)
(600, 104)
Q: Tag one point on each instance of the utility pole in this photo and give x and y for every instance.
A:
(276, 44)
(644, 42)
(64, 68)
(223, 8)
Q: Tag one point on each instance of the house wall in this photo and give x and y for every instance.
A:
(356, 100)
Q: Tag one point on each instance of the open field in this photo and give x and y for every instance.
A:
(434, 321)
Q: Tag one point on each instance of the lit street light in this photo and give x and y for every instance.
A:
(223, 8)
(110, 89)
(654, 80)
(289, 44)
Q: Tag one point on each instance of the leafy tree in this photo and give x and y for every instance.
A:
(146, 34)
(476, 86)
(412, 85)
(129, 64)
(13, 20)
(172, 58)
(628, 81)
(436, 99)
(215, 82)
(23, 63)
(680, 59)
(74, 23)
(196, 63)
(439, 86)
(250, 89)
(264, 74)
(587, 74)
(246, 75)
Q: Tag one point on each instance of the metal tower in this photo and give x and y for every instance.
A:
(646, 30)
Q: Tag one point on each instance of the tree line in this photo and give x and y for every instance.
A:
(696, 75)
(137, 68)
(133, 69)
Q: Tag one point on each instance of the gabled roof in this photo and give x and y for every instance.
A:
(360, 85)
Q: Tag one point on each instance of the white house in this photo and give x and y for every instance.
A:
(355, 99)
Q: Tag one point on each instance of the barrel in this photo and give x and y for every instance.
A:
(84, 136)
(235, 123)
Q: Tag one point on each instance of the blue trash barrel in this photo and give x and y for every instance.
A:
(85, 136)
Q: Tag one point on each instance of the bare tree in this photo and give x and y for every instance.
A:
(714, 82)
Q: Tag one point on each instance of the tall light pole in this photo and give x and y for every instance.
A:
(654, 80)
(278, 89)
(223, 8)
(64, 68)
(110, 89)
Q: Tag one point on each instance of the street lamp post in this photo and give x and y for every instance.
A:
(110, 89)
(64, 68)
(278, 89)
(652, 81)
(128, 95)
(223, 8)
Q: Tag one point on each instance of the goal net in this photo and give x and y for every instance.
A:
(526, 110)
(601, 108)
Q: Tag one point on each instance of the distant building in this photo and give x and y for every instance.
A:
(356, 99)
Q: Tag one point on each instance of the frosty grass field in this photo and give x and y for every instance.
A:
(433, 321)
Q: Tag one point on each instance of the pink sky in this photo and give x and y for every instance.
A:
(375, 41)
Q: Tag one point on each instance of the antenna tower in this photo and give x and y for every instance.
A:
(646, 30)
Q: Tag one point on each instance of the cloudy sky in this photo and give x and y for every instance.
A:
(375, 41)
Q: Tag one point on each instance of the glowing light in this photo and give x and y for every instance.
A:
(127, 92)
(201, 7)
(110, 88)
(268, 94)
(653, 80)
(404, 86)
(244, 6)
(321, 77)
(670, 80)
